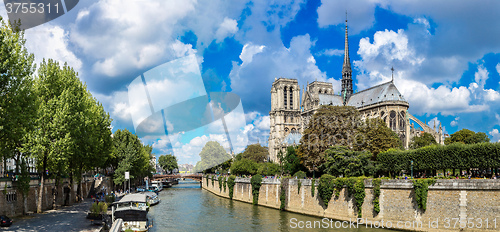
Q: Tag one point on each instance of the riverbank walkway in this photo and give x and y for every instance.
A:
(66, 218)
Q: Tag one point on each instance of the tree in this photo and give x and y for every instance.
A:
(425, 139)
(129, 155)
(211, 155)
(466, 136)
(479, 137)
(255, 152)
(168, 162)
(376, 137)
(291, 161)
(244, 167)
(330, 125)
(459, 136)
(341, 161)
(17, 101)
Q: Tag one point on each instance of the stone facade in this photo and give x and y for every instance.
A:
(12, 202)
(291, 110)
(448, 201)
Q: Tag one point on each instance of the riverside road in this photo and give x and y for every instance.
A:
(68, 218)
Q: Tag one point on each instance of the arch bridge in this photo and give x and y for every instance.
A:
(193, 176)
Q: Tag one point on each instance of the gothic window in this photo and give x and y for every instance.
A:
(402, 122)
(286, 129)
(392, 120)
(284, 95)
(291, 98)
(293, 130)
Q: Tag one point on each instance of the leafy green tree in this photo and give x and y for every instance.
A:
(168, 162)
(479, 137)
(211, 155)
(268, 169)
(17, 101)
(245, 167)
(130, 155)
(376, 137)
(255, 152)
(291, 161)
(424, 140)
(341, 161)
(330, 125)
(459, 136)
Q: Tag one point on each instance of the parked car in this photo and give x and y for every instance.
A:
(5, 221)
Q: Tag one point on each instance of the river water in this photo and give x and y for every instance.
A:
(186, 207)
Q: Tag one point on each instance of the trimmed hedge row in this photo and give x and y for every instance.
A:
(457, 156)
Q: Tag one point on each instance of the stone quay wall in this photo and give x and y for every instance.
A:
(12, 202)
(452, 205)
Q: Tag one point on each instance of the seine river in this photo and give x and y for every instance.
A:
(186, 207)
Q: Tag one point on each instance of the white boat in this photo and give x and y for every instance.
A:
(133, 210)
(157, 184)
(152, 198)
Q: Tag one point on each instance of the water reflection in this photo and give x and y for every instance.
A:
(186, 207)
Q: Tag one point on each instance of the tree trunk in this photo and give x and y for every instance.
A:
(39, 205)
(42, 179)
(25, 204)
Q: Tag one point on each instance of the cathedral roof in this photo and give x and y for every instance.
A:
(376, 94)
(292, 138)
(328, 99)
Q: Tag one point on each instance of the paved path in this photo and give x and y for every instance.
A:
(69, 218)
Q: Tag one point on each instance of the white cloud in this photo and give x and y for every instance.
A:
(495, 134)
(361, 15)
(481, 76)
(249, 50)
(51, 42)
(252, 79)
(331, 52)
(455, 122)
(227, 28)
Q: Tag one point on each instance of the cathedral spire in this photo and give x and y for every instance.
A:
(347, 61)
(346, 69)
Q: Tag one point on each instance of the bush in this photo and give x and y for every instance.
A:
(283, 191)
(421, 187)
(110, 198)
(325, 188)
(269, 169)
(453, 156)
(313, 187)
(300, 175)
(376, 194)
(244, 167)
(220, 183)
(256, 182)
(230, 185)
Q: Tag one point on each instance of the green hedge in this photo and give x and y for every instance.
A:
(453, 156)
(230, 185)
(256, 182)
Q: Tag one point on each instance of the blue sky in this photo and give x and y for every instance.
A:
(446, 55)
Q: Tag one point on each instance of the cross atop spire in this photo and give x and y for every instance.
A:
(392, 69)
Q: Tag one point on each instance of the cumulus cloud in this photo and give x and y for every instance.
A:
(360, 16)
(227, 28)
(331, 52)
(455, 121)
(52, 42)
(495, 134)
(253, 78)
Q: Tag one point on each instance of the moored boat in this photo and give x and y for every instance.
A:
(133, 210)
(152, 198)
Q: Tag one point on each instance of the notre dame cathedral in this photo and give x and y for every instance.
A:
(291, 110)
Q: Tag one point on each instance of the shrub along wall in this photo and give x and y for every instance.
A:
(454, 156)
(396, 199)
